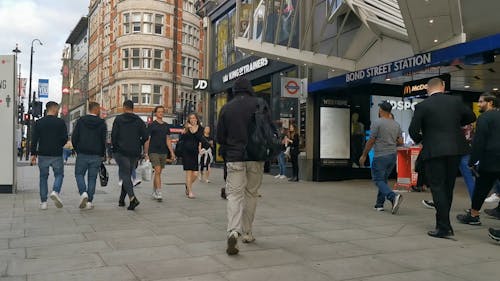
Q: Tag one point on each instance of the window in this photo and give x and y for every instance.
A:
(135, 58)
(125, 58)
(143, 22)
(190, 35)
(159, 24)
(157, 97)
(142, 58)
(190, 66)
(134, 93)
(157, 60)
(147, 23)
(124, 92)
(136, 22)
(145, 94)
(126, 23)
(189, 6)
(146, 58)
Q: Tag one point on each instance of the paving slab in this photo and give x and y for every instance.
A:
(416, 275)
(108, 273)
(46, 265)
(258, 258)
(176, 268)
(69, 250)
(289, 272)
(45, 240)
(123, 257)
(356, 267)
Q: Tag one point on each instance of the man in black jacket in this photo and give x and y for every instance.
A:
(244, 176)
(437, 123)
(49, 136)
(89, 141)
(128, 137)
(486, 152)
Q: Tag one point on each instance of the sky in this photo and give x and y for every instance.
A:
(50, 21)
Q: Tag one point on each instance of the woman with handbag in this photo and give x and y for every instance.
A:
(190, 140)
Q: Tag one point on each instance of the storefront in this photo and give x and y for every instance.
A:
(344, 106)
(265, 75)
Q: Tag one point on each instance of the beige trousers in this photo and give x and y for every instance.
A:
(242, 186)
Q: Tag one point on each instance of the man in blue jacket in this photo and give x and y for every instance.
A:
(89, 142)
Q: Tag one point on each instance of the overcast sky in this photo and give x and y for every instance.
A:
(51, 21)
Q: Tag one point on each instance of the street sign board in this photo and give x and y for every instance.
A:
(8, 115)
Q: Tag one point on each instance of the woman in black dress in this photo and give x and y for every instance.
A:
(293, 141)
(191, 138)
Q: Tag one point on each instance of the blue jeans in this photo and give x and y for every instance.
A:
(282, 163)
(44, 163)
(382, 167)
(467, 174)
(85, 162)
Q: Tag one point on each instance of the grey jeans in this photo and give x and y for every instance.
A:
(242, 185)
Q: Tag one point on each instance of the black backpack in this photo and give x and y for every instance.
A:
(103, 175)
(263, 138)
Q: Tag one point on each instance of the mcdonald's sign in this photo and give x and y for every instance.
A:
(419, 87)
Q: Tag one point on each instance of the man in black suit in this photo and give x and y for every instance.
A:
(437, 123)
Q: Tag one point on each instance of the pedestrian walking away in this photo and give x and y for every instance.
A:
(437, 124)
(293, 142)
(89, 142)
(158, 149)
(205, 157)
(128, 137)
(485, 157)
(385, 136)
(244, 173)
(49, 136)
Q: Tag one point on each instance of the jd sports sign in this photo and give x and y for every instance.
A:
(200, 84)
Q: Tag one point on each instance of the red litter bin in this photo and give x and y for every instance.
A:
(405, 167)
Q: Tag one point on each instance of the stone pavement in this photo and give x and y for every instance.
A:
(305, 231)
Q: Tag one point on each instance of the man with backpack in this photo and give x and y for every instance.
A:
(244, 124)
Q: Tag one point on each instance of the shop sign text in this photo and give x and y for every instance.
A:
(387, 68)
(245, 69)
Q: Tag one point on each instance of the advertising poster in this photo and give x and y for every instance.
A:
(43, 88)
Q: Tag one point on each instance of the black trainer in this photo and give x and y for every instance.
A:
(468, 219)
(121, 203)
(428, 204)
(495, 212)
(396, 202)
(494, 234)
(133, 203)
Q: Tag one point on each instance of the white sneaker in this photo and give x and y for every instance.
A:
(57, 200)
(492, 198)
(120, 182)
(232, 243)
(89, 206)
(158, 195)
(43, 206)
(248, 238)
(282, 177)
(83, 200)
(154, 196)
(136, 182)
(277, 176)
(207, 181)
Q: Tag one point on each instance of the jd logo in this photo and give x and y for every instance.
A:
(200, 84)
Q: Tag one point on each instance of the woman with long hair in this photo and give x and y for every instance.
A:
(293, 142)
(191, 138)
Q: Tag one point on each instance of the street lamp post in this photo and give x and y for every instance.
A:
(30, 110)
